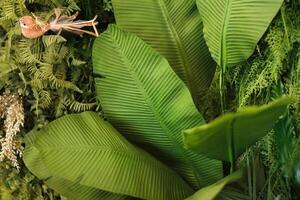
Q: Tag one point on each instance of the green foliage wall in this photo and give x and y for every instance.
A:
(55, 77)
(46, 70)
(273, 71)
(52, 73)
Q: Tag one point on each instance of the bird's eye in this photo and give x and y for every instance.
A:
(24, 25)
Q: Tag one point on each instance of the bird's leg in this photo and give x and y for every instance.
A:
(78, 25)
(69, 28)
(94, 25)
(81, 24)
(59, 32)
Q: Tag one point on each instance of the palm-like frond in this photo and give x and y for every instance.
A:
(77, 106)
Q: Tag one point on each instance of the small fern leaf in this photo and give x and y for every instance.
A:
(49, 40)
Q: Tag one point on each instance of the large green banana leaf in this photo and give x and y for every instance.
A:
(232, 133)
(81, 153)
(211, 192)
(69, 188)
(174, 29)
(144, 99)
(232, 28)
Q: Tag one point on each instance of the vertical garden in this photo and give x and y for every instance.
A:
(152, 99)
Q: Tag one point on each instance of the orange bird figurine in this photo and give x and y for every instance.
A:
(32, 27)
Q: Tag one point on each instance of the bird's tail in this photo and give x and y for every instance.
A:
(67, 23)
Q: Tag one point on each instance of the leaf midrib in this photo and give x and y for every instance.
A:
(86, 148)
(223, 49)
(188, 73)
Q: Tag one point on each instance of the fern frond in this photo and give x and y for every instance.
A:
(60, 105)
(77, 106)
(25, 55)
(38, 84)
(49, 40)
(277, 150)
(42, 69)
(266, 70)
(268, 150)
(107, 4)
(20, 8)
(279, 48)
(76, 62)
(55, 54)
(45, 71)
(71, 7)
(44, 99)
(32, 70)
(15, 31)
(8, 7)
(56, 83)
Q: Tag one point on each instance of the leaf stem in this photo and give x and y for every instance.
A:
(229, 137)
(221, 90)
(231, 150)
(253, 175)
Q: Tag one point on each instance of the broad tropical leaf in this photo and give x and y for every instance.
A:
(232, 28)
(174, 29)
(68, 188)
(82, 153)
(142, 97)
(234, 132)
(212, 191)
(75, 191)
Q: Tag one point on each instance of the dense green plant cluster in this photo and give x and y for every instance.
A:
(148, 105)
(53, 74)
(40, 69)
(199, 101)
(274, 71)
(276, 60)
(22, 184)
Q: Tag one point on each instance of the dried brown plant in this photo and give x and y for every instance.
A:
(11, 110)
